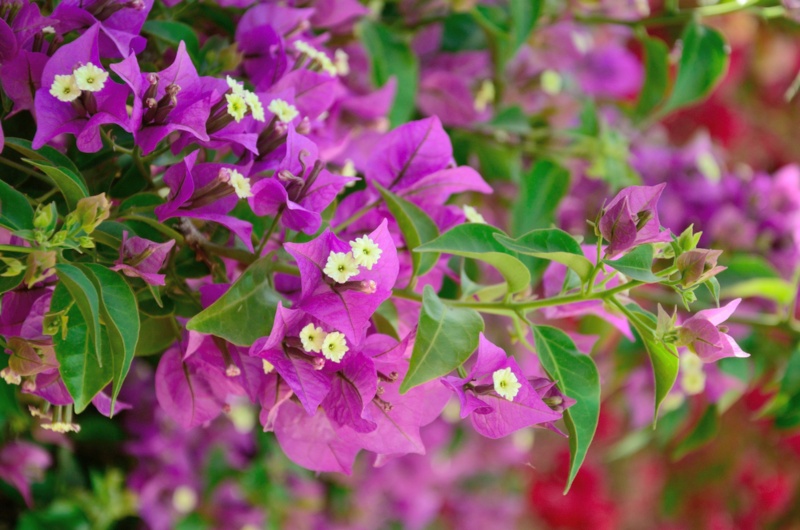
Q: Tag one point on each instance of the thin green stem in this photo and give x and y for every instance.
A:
(13, 248)
(269, 231)
(24, 169)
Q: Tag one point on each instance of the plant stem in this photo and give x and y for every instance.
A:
(269, 232)
(356, 216)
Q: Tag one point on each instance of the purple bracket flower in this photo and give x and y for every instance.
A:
(631, 219)
(22, 463)
(142, 258)
(78, 110)
(348, 305)
(167, 101)
(204, 191)
(497, 395)
(704, 334)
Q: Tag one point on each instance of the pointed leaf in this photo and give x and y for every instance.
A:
(15, 211)
(446, 337)
(663, 357)
(656, 78)
(702, 433)
(636, 264)
(71, 184)
(245, 312)
(86, 298)
(577, 377)
(45, 154)
(704, 60)
(120, 317)
(417, 228)
(477, 241)
(552, 244)
(83, 376)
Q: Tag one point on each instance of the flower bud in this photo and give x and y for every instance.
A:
(40, 266)
(92, 211)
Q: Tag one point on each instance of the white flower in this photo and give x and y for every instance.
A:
(693, 378)
(366, 252)
(472, 215)
(267, 366)
(240, 184)
(184, 499)
(235, 86)
(485, 95)
(256, 108)
(284, 111)
(334, 346)
(90, 78)
(506, 383)
(236, 106)
(312, 338)
(340, 266)
(64, 88)
(342, 62)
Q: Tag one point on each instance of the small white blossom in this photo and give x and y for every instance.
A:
(236, 106)
(64, 88)
(365, 251)
(506, 383)
(236, 86)
(312, 338)
(342, 62)
(267, 366)
(184, 499)
(340, 266)
(334, 346)
(472, 215)
(693, 378)
(256, 108)
(485, 95)
(90, 77)
(240, 184)
(284, 111)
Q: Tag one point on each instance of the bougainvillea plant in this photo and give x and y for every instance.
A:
(368, 227)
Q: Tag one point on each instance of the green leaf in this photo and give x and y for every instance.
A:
(71, 184)
(446, 337)
(173, 33)
(552, 244)
(417, 228)
(391, 56)
(776, 289)
(712, 284)
(540, 192)
(704, 60)
(15, 211)
(83, 376)
(477, 241)
(663, 357)
(83, 291)
(245, 312)
(120, 317)
(704, 431)
(656, 67)
(44, 154)
(577, 377)
(636, 264)
(156, 334)
(524, 14)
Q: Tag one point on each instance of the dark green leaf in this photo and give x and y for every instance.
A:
(83, 375)
(704, 60)
(663, 357)
(446, 337)
(524, 14)
(416, 226)
(552, 244)
(477, 241)
(15, 211)
(173, 33)
(390, 56)
(44, 154)
(577, 377)
(705, 431)
(636, 264)
(540, 192)
(71, 184)
(83, 291)
(120, 318)
(656, 65)
(156, 335)
(245, 312)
